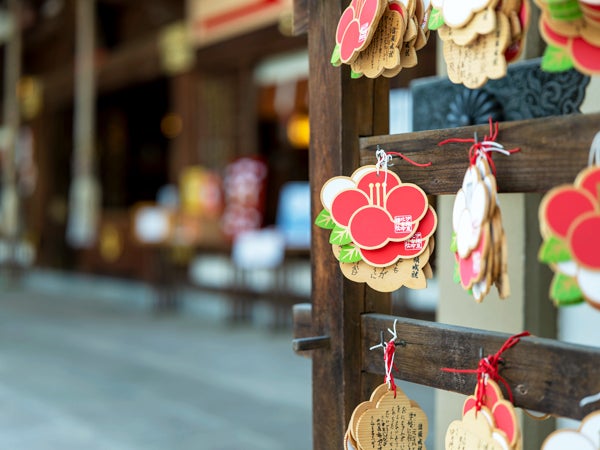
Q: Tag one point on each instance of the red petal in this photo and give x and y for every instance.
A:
(586, 56)
(370, 227)
(382, 257)
(590, 181)
(368, 12)
(407, 200)
(394, 6)
(349, 42)
(563, 205)
(369, 181)
(470, 403)
(584, 240)
(505, 421)
(416, 244)
(343, 23)
(347, 203)
(552, 36)
(471, 268)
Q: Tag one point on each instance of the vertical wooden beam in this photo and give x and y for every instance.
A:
(247, 110)
(185, 104)
(11, 113)
(340, 111)
(84, 201)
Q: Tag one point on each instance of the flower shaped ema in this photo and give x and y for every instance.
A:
(384, 218)
(571, 42)
(356, 28)
(457, 13)
(471, 212)
(570, 224)
(587, 437)
(500, 413)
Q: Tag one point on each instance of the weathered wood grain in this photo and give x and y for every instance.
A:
(336, 124)
(545, 375)
(553, 151)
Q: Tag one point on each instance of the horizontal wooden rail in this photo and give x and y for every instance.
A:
(545, 375)
(554, 154)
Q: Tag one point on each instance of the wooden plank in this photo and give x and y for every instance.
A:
(553, 154)
(545, 375)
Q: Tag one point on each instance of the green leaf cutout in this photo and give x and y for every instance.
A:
(436, 20)
(350, 254)
(456, 274)
(336, 59)
(324, 220)
(556, 59)
(354, 75)
(453, 245)
(564, 290)
(554, 250)
(340, 236)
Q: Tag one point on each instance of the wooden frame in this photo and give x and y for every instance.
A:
(348, 121)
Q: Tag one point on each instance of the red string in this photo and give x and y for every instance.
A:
(388, 359)
(489, 367)
(406, 158)
(479, 148)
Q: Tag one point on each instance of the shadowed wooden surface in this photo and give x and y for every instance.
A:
(545, 375)
(553, 154)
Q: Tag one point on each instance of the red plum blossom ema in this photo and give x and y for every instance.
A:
(380, 228)
(570, 226)
(571, 28)
(356, 28)
(479, 242)
(492, 424)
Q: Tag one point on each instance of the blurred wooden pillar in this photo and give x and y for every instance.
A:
(185, 106)
(84, 195)
(247, 112)
(11, 112)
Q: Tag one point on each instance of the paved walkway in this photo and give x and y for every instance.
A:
(88, 365)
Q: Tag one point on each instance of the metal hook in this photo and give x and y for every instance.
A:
(394, 333)
(381, 342)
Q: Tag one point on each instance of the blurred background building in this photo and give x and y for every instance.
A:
(152, 135)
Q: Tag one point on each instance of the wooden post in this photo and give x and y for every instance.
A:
(341, 110)
(12, 72)
(84, 196)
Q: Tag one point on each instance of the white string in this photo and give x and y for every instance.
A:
(394, 333)
(590, 399)
(594, 157)
(388, 365)
(388, 371)
(383, 161)
(491, 146)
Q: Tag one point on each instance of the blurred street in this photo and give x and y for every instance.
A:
(85, 363)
